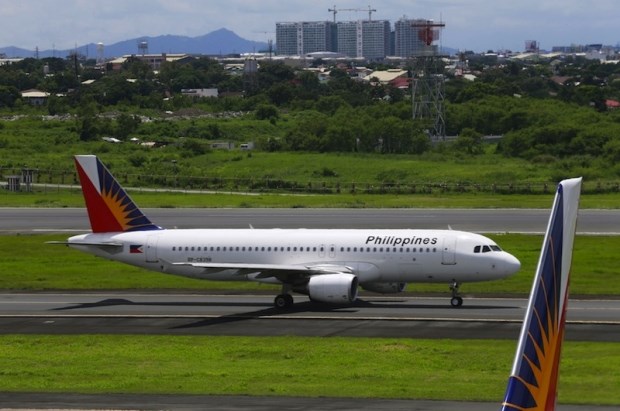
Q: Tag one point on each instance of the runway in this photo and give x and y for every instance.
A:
(224, 314)
(33, 220)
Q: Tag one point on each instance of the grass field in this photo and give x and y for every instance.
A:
(293, 366)
(52, 196)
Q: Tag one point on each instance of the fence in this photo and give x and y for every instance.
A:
(49, 179)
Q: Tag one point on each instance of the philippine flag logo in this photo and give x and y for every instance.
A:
(135, 249)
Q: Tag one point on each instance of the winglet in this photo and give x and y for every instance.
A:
(533, 381)
(110, 209)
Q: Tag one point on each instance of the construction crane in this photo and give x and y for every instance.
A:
(269, 41)
(370, 10)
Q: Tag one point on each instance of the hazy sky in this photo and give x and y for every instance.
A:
(472, 24)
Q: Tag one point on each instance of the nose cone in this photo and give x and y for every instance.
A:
(511, 264)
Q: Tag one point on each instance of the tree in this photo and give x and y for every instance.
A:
(87, 122)
(126, 125)
(469, 141)
(8, 96)
(266, 112)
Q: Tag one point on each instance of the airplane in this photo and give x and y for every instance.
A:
(532, 384)
(328, 265)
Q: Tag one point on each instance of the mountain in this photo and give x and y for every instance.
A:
(218, 42)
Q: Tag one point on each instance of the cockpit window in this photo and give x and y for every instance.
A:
(486, 248)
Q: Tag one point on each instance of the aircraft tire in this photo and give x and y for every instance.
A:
(283, 301)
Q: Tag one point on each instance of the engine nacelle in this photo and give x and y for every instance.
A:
(333, 288)
(384, 288)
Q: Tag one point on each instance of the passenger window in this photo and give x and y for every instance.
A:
(174, 248)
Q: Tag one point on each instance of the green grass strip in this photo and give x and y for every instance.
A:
(27, 263)
(293, 366)
(53, 197)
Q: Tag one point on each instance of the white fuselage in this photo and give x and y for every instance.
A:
(374, 256)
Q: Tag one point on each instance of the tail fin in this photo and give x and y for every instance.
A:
(533, 381)
(110, 209)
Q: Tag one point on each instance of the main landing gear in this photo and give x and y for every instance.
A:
(456, 300)
(283, 300)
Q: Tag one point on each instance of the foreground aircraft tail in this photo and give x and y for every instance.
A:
(110, 209)
(533, 381)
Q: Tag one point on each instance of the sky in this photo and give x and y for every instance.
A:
(477, 25)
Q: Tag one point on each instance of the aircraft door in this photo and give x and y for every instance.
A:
(151, 249)
(448, 254)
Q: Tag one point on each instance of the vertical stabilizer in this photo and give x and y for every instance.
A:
(533, 381)
(110, 209)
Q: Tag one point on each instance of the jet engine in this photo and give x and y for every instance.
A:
(333, 288)
(385, 288)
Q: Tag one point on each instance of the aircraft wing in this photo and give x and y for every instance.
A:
(283, 272)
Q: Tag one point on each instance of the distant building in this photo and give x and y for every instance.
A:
(407, 41)
(35, 97)
(299, 38)
(153, 60)
(363, 38)
(200, 92)
(395, 77)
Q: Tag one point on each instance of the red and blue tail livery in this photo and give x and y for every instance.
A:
(533, 381)
(110, 209)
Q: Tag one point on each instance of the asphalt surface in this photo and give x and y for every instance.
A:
(29, 220)
(197, 314)
(236, 403)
